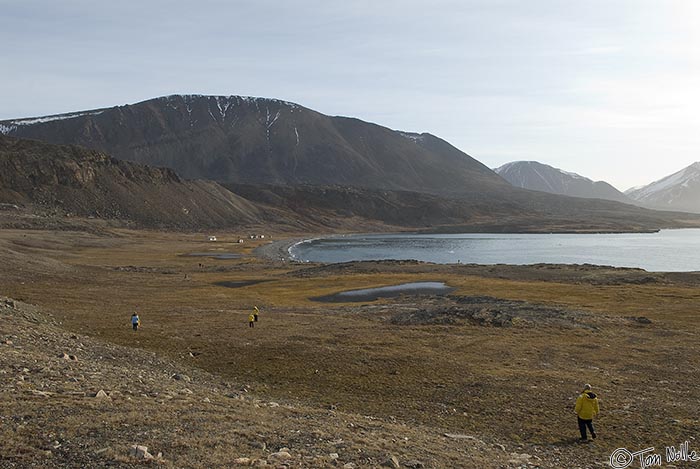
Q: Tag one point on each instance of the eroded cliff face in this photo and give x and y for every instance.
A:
(83, 182)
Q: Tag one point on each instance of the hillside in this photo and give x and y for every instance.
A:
(256, 140)
(509, 211)
(70, 180)
(678, 191)
(541, 177)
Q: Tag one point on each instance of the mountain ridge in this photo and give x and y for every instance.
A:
(259, 140)
(538, 176)
(677, 191)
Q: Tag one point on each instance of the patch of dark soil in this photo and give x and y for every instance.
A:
(494, 312)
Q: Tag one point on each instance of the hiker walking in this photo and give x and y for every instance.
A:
(135, 321)
(256, 311)
(586, 409)
(251, 320)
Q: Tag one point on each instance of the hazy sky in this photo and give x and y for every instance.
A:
(609, 89)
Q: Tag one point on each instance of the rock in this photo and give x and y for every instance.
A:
(272, 404)
(72, 358)
(101, 394)
(391, 461)
(181, 377)
(140, 452)
(65, 356)
(516, 458)
(350, 465)
(459, 436)
(242, 461)
(280, 456)
(259, 444)
(334, 456)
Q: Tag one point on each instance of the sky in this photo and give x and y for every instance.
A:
(609, 89)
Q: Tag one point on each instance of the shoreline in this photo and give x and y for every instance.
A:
(278, 250)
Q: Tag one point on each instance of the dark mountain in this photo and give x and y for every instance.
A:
(541, 177)
(679, 191)
(254, 140)
(83, 182)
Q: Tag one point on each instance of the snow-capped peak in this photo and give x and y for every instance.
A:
(682, 178)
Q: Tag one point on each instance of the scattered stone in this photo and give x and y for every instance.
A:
(101, 394)
(334, 456)
(391, 461)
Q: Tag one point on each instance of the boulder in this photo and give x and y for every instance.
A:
(140, 452)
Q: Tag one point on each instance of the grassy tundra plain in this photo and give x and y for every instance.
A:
(496, 365)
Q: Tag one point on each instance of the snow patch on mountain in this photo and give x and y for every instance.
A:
(11, 125)
(412, 136)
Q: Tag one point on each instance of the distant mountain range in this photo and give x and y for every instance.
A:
(273, 162)
(541, 177)
(679, 191)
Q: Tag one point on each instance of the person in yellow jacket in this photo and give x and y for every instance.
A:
(251, 321)
(586, 408)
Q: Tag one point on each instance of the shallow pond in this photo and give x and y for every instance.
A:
(392, 291)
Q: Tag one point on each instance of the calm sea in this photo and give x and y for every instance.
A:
(668, 250)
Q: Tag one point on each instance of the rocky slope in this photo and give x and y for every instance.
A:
(541, 177)
(77, 181)
(257, 140)
(74, 401)
(678, 191)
